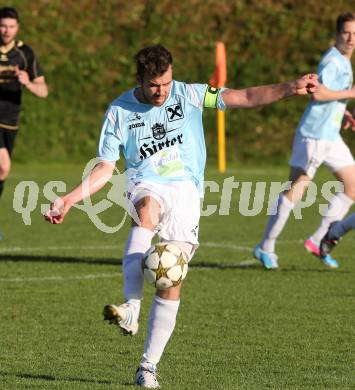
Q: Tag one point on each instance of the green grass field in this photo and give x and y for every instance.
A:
(239, 326)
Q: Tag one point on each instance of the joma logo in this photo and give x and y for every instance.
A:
(134, 125)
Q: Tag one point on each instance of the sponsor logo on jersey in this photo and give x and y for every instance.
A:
(148, 149)
(135, 125)
(158, 131)
(174, 112)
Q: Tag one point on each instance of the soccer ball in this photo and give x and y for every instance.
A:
(164, 266)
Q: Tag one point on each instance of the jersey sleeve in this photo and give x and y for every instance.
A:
(328, 74)
(32, 66)
(205, 96)
(110, 138)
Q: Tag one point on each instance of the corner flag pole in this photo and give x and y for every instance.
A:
(218, 80)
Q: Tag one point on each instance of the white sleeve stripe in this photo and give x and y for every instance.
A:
(194, 96)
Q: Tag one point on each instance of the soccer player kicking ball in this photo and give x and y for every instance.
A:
(158, 128)
(317, 141)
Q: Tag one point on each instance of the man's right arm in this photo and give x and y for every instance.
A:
(96, 179)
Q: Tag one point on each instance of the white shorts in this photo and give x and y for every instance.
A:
(309, 154)
(180, 209)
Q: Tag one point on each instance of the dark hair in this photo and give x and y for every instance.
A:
(9, 12)
(342, 19)
(153, 60)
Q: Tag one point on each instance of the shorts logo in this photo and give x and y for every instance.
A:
(159, 131)
(194, 231)
(174, 112)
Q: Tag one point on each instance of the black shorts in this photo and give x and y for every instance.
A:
(7, 139)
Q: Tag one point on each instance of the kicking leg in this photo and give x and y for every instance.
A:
(138, 242)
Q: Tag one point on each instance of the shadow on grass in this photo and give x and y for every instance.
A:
(53, 378)
(62, 259)
(317, 270)
(114, 261)
(248, 265)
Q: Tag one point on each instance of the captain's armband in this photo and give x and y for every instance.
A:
(211, 97)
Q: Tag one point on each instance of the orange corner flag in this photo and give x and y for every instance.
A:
(218, 80)
(219, 77)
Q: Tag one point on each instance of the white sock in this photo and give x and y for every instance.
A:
(339, 205)
(138, 242)
(135, 304)
(276, 223)
(342, 227)
(161, 324)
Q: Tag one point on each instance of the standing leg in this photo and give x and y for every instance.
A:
(5, 166)
(161, 324)
(7, 143)
(265, 251)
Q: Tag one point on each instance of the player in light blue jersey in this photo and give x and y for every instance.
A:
(160, 145)
(157, 127)
(317, 141)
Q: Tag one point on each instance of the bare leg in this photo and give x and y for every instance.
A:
(5, 166)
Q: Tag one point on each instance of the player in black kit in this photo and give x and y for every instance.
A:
(18, 68)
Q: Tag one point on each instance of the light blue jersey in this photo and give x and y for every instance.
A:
(160, 144)
(322, 120)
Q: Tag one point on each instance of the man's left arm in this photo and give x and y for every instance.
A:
(267, 94)
(37, 86)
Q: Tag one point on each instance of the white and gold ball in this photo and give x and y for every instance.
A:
(164, 265)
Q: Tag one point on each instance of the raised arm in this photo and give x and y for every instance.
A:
(97, 178)
(266, 94)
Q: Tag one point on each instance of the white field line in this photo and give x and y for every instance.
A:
(7, 249)
(60, 278)
(54, 248)
(103, 276)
